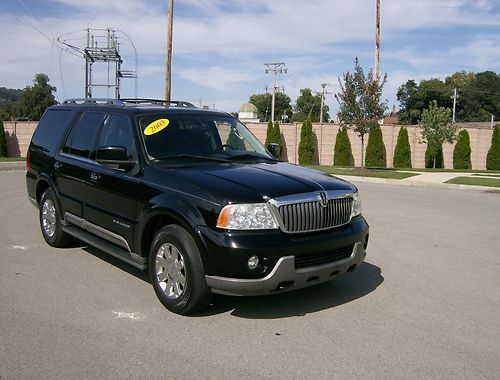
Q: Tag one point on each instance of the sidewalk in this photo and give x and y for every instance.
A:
(423, 179)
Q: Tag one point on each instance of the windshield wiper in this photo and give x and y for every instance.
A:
(190, 156)
(245, 156)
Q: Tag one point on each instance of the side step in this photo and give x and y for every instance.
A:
(95, 241)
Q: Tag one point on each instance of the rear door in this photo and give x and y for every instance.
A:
(111, 201)
(73, 165)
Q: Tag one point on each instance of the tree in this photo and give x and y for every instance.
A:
(461, 153)
(282, 105)
(479, 99)
(493, 157)
(342, 152)
(402, 152)
(375, 150)
(306, 145)
(436, 129)
(277, 136)
(3, 142)
(434, 156)
(269, 133)
(308, 104)
(360, 104)
(37, 98)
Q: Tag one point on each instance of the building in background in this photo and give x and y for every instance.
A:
(248, 113)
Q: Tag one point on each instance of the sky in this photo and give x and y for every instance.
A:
(220, 47)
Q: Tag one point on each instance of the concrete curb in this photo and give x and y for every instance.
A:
(12, 165)
(409, 183)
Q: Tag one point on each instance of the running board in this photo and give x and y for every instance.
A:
(95, 241)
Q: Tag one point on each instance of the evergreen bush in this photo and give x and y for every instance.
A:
(342, 153)
(402, 152)
(235, 141)
(375, 149)
(306, 145)
(434, 157)
(277, 137)
(493, 157)
(461, 153)
(3, 142)
(269, 133)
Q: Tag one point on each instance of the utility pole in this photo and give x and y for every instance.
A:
(168, 74)
(322, 93)
(454, 103)
(377, 42)
(274, 68)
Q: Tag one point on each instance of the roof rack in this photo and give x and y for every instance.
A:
(123, 102)
(175, 103)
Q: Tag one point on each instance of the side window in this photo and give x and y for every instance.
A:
(81, 138)
(50, 129)
(116, 131)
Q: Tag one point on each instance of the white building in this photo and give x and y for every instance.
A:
(248, 113)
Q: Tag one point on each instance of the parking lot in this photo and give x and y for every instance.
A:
(426, 304)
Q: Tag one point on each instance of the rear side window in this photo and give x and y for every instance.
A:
(80, 141)
(50, 129)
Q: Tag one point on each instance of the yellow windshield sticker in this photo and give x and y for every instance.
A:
(156, 126)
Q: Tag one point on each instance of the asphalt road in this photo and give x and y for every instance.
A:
(426, 304)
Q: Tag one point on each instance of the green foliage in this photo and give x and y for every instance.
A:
(461, 153)
(37, 98)
(375, 150)
(359, 101)
(269, 133)
(436, 125)
(308, 104)
(235, 141)
(343, 153)
(434, 156)
(493, 157)
(282, 105)
(476, 91)
(277, 137)
(306, 145)
(402, 152)
(3, 142)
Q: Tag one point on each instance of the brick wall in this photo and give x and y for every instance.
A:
(18, 136)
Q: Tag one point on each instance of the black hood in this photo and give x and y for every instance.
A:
(250, 183)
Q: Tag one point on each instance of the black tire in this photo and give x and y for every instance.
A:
(53, 235)
(176, 271)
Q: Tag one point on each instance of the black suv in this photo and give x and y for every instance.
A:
(192, 195)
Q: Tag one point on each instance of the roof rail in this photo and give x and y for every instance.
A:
(175, 103)
(104, 101)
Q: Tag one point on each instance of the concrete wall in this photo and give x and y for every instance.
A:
(18, 135)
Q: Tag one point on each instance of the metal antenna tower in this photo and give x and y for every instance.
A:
(275, 68)
(106, 49)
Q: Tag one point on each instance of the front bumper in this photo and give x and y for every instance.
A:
(285, 277)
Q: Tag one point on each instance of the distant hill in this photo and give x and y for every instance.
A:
(9, 95)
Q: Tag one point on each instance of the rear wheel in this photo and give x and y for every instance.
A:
(50, 220)
(176, 271)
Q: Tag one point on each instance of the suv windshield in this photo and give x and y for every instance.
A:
(199, 136)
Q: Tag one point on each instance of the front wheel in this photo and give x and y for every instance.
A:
(176, 271)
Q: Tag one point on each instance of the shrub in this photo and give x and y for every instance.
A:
(434, 156)
(402, 152)
(306, 146)
(493, 157)
(3, 142)
(269, 133)
(461, 153)
(342, 153)
(277, 136)
(375, 149)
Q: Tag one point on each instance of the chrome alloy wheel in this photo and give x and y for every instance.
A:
(170, 270)
(49, 218)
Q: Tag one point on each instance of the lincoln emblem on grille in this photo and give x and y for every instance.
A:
(323, 200)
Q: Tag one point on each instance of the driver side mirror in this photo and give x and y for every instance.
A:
(114, 156)
(274, 149)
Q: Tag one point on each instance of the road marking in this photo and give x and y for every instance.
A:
(21, 247)
(132, 316)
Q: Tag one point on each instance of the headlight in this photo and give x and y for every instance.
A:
(356, 204)
(255, 216)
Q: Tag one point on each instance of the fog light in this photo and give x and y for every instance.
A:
(253, 262)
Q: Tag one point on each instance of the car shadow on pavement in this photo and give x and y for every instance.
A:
(349, 287)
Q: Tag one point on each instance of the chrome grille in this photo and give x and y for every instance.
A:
(311, 216)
